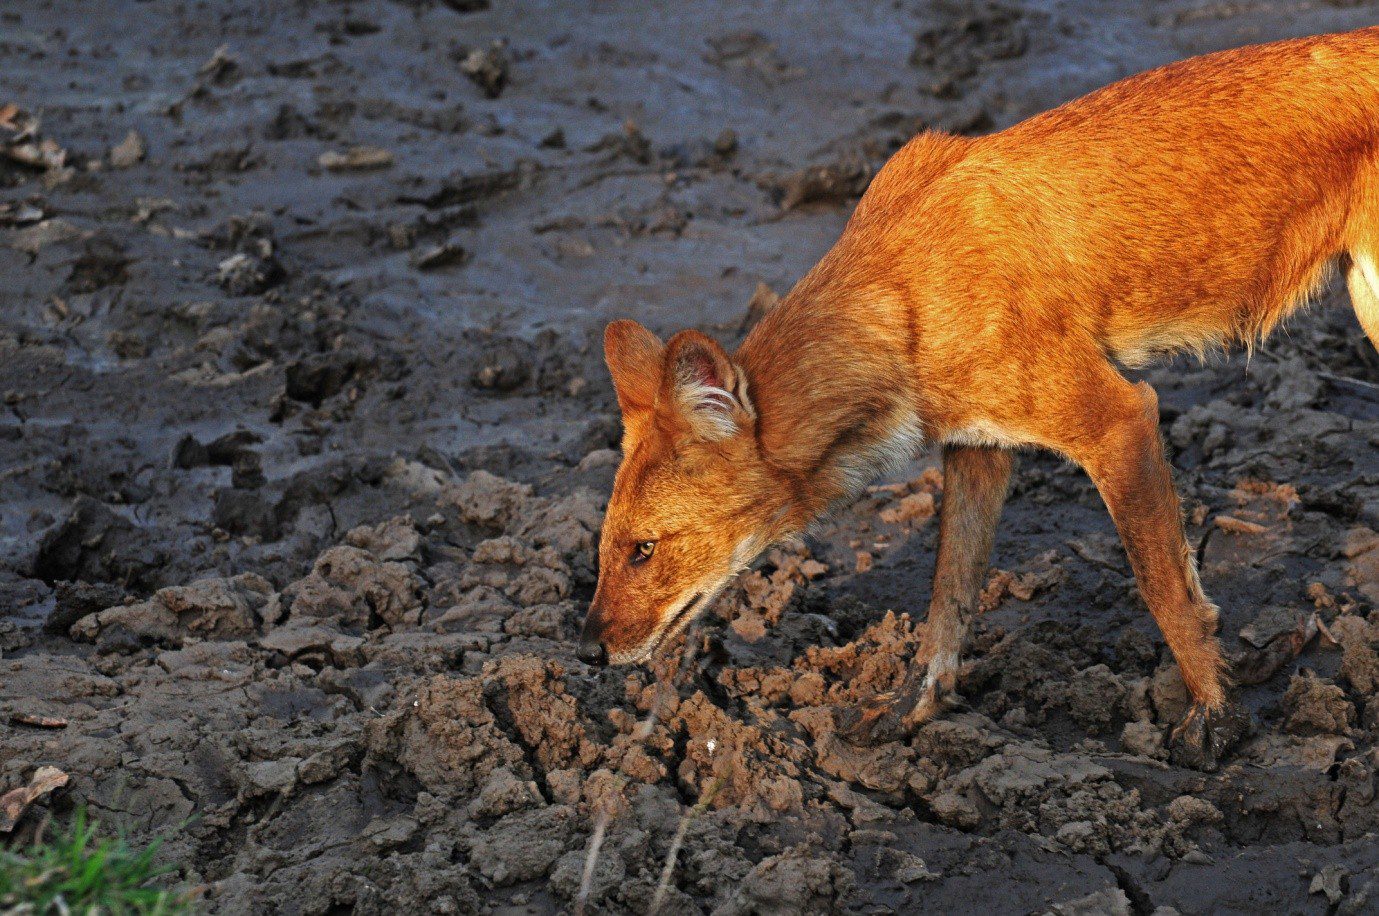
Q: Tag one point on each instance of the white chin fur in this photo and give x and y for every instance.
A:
(639, 654)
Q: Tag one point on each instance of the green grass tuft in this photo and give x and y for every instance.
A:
(74, 872)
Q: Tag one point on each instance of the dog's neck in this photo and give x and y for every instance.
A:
(830, 372)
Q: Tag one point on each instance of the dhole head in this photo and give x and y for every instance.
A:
(693, 502)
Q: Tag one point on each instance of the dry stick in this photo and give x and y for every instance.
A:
(1328, 376)
(705, 799)
(1347, 380)
(641, 733)
(586, 882)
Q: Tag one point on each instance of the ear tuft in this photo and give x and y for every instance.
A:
(708, 391)
(634, 356)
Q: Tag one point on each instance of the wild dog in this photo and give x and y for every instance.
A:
(981, 299)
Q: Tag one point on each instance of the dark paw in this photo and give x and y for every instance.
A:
(1204, 737)
(875, 722)
(893, 715)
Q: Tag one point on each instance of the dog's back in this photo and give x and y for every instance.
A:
(1189, 206)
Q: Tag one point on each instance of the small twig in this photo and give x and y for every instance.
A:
(586, 882)
(705, 799)
(1323, 629)
(1347, 380)
(1323, 374)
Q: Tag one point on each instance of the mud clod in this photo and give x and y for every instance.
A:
(488, 68)
(208, 608)
(352, 589)
(792, 882)
(1312, 706)
(835, 183)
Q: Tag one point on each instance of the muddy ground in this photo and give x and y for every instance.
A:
(305, 442)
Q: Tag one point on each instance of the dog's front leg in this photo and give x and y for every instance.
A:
(975, 480)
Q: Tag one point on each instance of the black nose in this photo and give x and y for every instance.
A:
(591, 651)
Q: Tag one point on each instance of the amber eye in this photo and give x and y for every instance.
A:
(643, 552)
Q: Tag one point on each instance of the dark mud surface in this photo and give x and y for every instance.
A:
(305, 440)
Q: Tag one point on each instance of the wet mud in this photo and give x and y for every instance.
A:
(306, 439)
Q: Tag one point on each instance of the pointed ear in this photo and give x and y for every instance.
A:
(705, 387)
(635, 357)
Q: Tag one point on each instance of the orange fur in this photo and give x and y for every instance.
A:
(979, 298)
